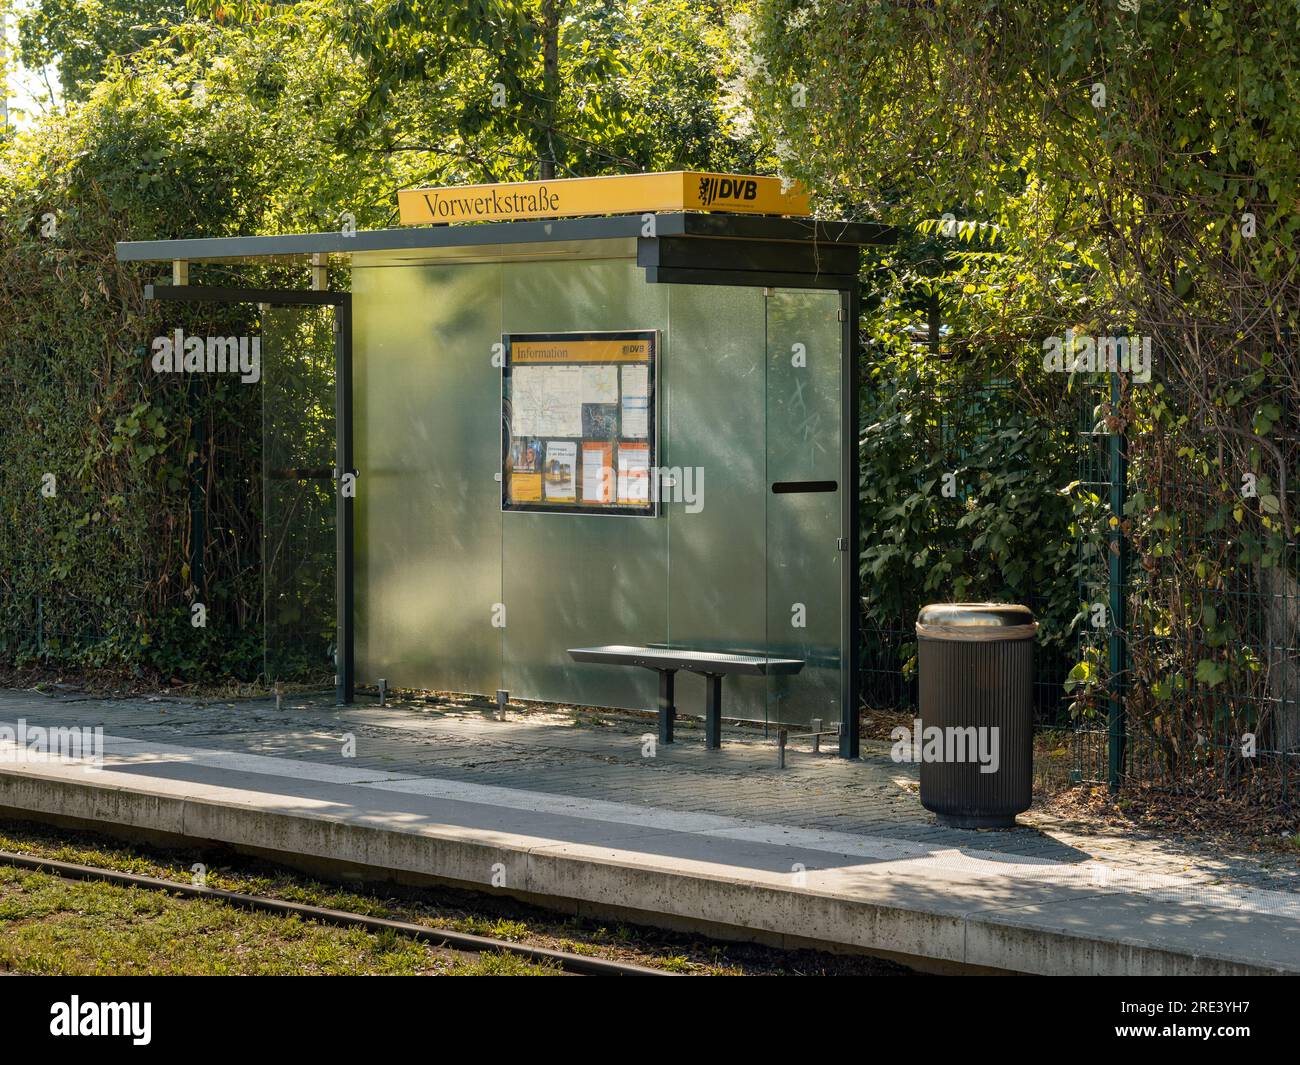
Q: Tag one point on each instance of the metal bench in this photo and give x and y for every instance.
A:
(712, 665)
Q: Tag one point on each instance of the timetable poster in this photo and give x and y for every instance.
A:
(578, 422)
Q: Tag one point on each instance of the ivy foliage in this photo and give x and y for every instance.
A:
(1137, 162)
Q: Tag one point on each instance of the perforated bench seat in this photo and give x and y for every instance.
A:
(712, 665)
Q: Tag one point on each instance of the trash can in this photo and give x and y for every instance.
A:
(976, 725)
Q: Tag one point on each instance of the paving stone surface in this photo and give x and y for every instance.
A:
(604, 757)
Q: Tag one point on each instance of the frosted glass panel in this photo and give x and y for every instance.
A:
(427, 442)
(803, 528)
(717, 595)
(298, 504)
(576, 580)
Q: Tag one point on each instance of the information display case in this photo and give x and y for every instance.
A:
(579, 432)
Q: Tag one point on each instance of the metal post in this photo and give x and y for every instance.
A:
(781, 736)
(850, 590)
(713, 711)
(198, 475)
(343, 533)
(383, 691)
(503, 697)
(667, 711)
(817, 735)
(1118, 544)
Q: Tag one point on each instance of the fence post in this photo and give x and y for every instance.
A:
(198, 410)
(1118, 545)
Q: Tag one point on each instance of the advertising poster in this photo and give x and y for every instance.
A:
(634, 473)
(636, 402)
(525, 455)
(560, 470)
(526, 487)
(597, 472)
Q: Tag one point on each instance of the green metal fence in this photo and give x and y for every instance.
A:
(1180, 667)
(1198, 690)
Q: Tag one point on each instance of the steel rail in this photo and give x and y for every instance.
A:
(573, 963)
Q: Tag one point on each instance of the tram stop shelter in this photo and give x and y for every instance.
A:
(566, 415)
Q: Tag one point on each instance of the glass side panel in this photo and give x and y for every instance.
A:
(298, 505)
(572, 580)
(803, 528)
(714, 448)
(427, 442)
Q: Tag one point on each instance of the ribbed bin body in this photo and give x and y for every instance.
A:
(970, 685)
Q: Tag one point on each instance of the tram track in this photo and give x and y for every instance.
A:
(575, 964)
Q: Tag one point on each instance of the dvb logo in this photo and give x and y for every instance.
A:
(712, 189)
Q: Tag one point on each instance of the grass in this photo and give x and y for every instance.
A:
(53, 926)
(50, 926)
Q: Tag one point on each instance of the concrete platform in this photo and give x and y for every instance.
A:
(950, 903)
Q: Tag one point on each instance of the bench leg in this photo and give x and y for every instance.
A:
(713, 711)
(667, 711)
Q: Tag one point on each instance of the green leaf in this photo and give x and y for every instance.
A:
(1211, 673)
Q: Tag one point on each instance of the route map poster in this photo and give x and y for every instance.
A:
(578, 426)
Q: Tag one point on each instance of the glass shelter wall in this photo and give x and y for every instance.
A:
(298, 503)
(803, 527)
(426, 441)
(717, 592)
(453, 594)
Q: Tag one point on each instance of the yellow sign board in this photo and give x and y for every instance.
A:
(682, 190)
(568, 350)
